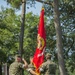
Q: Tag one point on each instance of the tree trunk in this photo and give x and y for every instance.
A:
(59, 39)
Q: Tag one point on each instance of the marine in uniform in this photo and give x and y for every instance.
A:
(16, 67)
(31, 68)
(48, 67)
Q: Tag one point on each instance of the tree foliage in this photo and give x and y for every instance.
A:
(10, 28)
(9, 31)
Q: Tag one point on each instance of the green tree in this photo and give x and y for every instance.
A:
(9, 28)
(67, 20)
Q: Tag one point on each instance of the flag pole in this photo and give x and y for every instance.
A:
(43, 4)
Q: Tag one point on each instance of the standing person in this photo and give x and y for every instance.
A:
(16, 67)
(48, 67)
(31, 68)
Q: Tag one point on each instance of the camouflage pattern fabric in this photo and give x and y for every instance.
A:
(49, 68)
(15, 68)
(30, 66)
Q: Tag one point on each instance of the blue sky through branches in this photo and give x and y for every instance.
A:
(35, 10)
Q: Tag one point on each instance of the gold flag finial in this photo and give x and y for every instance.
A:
(43, 8)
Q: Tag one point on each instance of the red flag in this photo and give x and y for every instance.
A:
(41, 43)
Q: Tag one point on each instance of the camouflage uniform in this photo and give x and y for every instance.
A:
(48, 68)
(15, 68)
(30, 66)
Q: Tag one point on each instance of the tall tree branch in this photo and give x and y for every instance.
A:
(45, 2)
